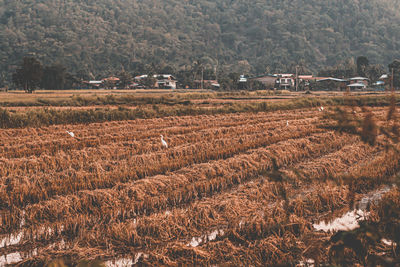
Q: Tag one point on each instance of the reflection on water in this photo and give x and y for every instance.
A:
(16, 257)
(10, 258)
(308, 263)
(349, 220)
(120, 263)
(196, 241)
(11, 240)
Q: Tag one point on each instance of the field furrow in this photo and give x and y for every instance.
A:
(231, 189)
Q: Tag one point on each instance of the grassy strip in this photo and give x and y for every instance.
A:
(69, 99)
(47, 116)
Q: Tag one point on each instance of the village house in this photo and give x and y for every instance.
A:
(358, 83)
(162, 81)
(331, 83)
(111, 82)
(242, 79)
(384, 82)
(284, 81)
(166, 81)
(92, 84)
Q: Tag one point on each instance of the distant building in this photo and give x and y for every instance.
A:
(242, 79)
(111, 82)
(163, 81)
(330, 83)
(357, 86)
(111, 79)
(379, 85)
(358, 83)
(362, 80)
(166, 81)
(93, 84)
(285, 81)
(134, 85)
(385, 79)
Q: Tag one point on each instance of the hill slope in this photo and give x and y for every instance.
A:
(104, 36)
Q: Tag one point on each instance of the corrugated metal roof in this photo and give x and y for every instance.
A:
(332, 79)
(358, 78)
(356, 85)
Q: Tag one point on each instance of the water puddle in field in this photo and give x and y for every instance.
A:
(11, 240)
(306, 263)
(387, 242)
(126, 262)
(196, 241)
(15, 257)
(120, 262)
(350, 220)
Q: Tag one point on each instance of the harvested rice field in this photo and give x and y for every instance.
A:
(232, 189)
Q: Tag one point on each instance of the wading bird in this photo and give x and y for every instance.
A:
(163, 142)
(71, 134)
(287, 123)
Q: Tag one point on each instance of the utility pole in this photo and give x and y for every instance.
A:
(392, 80)
(216, 67)
(202, 77)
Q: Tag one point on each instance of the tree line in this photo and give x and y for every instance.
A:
(32, 74)
(236, 36)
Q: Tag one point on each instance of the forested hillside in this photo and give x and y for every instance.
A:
(100, 37)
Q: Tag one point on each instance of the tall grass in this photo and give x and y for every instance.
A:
(160, 108)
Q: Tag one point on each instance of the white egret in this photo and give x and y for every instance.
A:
(287, 123)
(163, 142)
(71, 134)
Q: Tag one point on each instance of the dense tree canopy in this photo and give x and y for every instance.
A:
(395, 69)
(102, 37)
(29, 75)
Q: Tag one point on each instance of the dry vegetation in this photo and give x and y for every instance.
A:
(236, 189)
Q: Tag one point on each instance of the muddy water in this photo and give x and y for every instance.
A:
(125, 262)
(16, 257)
(347, 221)
(196, 241)
(350, 220)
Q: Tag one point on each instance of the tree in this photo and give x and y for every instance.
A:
(362, 66)
(71, 81)
(149, 81)
(125, 79)
(229, 82)
(374, 72)
(29, 74)
(395, 68)
(54, 77)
